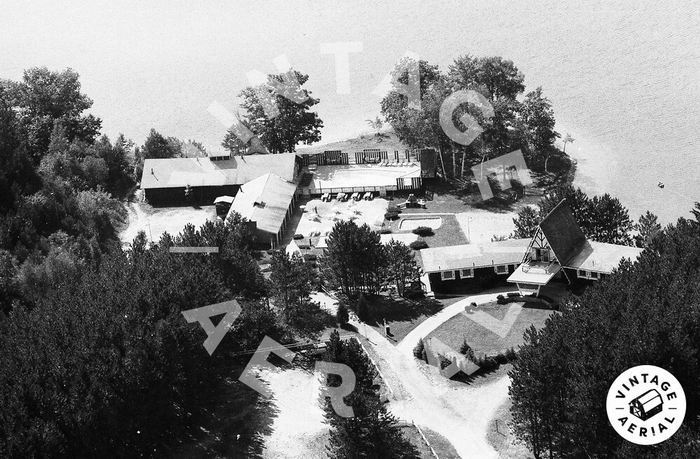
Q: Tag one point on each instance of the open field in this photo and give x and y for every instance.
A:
(490, 328)
(154, 221)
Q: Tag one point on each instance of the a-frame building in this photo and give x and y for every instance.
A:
(560, 249)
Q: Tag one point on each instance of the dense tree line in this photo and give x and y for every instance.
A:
(96, 356)
(104, 363)
(518, 122)
(373, 431)
(356, 261)
(644, 313)
(601, 218)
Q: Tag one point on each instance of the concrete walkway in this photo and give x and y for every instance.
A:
(419, 393)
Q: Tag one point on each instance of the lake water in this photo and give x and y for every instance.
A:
(624, 78)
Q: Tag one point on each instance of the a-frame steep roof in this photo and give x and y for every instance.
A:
(563, 233)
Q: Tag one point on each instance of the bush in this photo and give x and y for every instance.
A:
(310, 257)
(500, 299)
(491, 363)
(487, 364)
(385, 231)
(419, 351)
(423, 231)
(342, 315)
(391, 215)
(513, 294)
(418, 245)
(304, 246)
(444, 362)
(298, 236)
(466, 350)
(362, 308)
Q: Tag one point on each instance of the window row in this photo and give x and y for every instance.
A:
(469, 273)
(587, 274)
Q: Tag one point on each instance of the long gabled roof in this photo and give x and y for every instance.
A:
(180, 172)
(264, 201)
(467, 256)
(563, 233)
(602, 257)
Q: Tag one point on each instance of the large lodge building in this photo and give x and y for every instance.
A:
(264, 188)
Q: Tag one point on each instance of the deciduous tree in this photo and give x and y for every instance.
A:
(290, 122)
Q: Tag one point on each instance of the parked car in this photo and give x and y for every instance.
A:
(368, 196)
(356, 196)
(326, 197)
(412, 201)
(342, 197)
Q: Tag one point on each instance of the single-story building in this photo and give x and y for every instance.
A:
(268, 202)
(470, 267)
(164, 181)
(559, 249)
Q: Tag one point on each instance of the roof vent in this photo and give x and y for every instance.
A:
(260, 204)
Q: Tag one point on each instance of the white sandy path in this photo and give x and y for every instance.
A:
(298, 430)
(459, 413)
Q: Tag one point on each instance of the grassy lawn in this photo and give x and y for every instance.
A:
(440, 444)
(483, 340)
(449, 233)
(402, 315)
(500, 436)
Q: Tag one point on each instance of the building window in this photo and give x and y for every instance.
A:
(501, 269)
(465, 273)
(588, 274)
(447, 275)
(541, 255)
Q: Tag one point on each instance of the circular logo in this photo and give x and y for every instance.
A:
(646, 405)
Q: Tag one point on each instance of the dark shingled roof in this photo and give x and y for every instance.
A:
(563, 233)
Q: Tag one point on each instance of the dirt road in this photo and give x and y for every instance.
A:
(458, 412)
